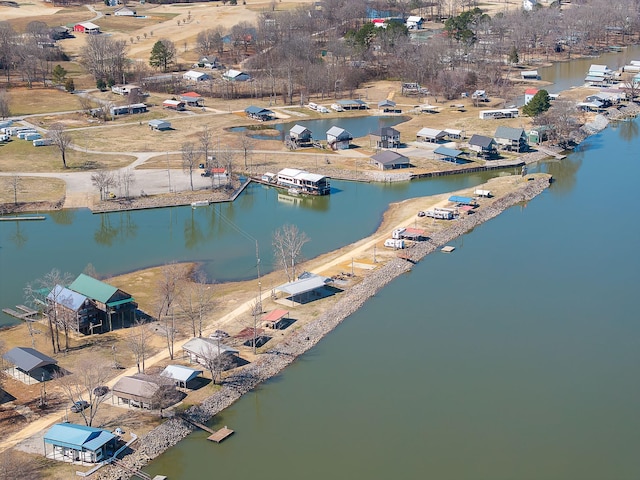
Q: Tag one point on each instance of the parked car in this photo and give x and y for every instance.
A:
(100, 391)
(78, 406)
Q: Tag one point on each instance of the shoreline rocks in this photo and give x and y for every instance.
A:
(275, 360)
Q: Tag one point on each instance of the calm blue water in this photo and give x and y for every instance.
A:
(356, 126)
(222, 236)
(515, 357)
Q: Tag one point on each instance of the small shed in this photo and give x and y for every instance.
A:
(87, 27)
(78, 443)
(29, 364)
(304, 289)
(430, 135)
(159, 125)
(338, 138)
(276, 319)
(180, 374)
(353, 104)
(171, 104)
(387, 160)
(236, 76)
(301, 135)
(386, 137)
(192, 99)
(200, 349)
(449, 154)
(259, 113)
(414, 22)
(195, 76)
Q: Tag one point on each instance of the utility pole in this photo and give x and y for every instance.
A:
(259, 302)
(168, 172)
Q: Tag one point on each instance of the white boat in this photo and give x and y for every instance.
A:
(200, 203)
(294, 191)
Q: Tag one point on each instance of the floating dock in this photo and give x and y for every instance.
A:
(17, 218)
(447, 249)
(24, 313)
(220, 435)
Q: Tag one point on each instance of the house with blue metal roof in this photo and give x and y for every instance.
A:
(78, 443)
(450, 154)
(113, 303)
(259, 113)
(78, 312)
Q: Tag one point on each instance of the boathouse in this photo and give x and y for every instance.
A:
(115, 305)
(388, 160)
(305, 182)
(78, 443)
(180, 374)
(29, 364)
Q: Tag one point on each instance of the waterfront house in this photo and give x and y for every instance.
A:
(193, 76)
(159, 125)
(29, 364)
(386, 137)
(509, 138)
(483, 146)
(114, 304)
(73, 309)
(259, 113)
(78, 443)
(200, 350)
(431, 135)
(304, 182)
(142, 391)
(172, 104)
(338, 138)
(180, 374)
(449, 154)
(236, 76)
(301, 135)
(192, 99)
(388, 160)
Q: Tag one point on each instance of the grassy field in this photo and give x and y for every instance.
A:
(31, 189)
(66, 16)
(21, 156)
(131, 25)
(30, 101)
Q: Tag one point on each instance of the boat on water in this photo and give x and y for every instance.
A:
(200, 203)
(294, 191)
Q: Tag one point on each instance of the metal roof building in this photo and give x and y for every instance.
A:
(73, 442)
(301, 290)
(198, 349)
(387, 160)
(180, 374)
(449, 154)
(30, 363)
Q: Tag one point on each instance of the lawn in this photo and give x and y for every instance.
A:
(21, 156)
(31, 189)
(66, 16)
(29, 101)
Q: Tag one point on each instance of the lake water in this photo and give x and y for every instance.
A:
(515, 357)
(356, 126)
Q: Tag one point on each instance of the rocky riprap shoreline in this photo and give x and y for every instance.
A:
(274, 361)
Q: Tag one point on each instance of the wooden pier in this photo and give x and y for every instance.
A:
(24, 313)
(220, 435)
(17, 218)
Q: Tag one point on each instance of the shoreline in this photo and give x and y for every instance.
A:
(274, 361)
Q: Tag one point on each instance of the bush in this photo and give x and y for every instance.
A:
(69, 86)
(101, 85)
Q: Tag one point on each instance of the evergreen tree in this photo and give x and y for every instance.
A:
(101, 84)
(69, 86)
(538, 104)
(58, 74)
(162, 54)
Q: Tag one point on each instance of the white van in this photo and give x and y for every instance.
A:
(313, 106)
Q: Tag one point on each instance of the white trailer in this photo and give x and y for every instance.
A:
(394, 243)
(42, 142)
(482, 193)
(439, 214)
(397, 233)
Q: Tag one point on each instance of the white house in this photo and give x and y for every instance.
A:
(124, 12)
(414, 22)
(195, 76)
(529, 93)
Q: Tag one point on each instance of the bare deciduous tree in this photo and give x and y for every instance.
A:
(205, 137)
(189, 159)
(196, 299)
(168, 290)
(247, 145)
(89, 373)
(138, 343)
(5, 109)
(287, 245)
(105, 57)
(216, 359)
(61, 139)
(103, 181)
